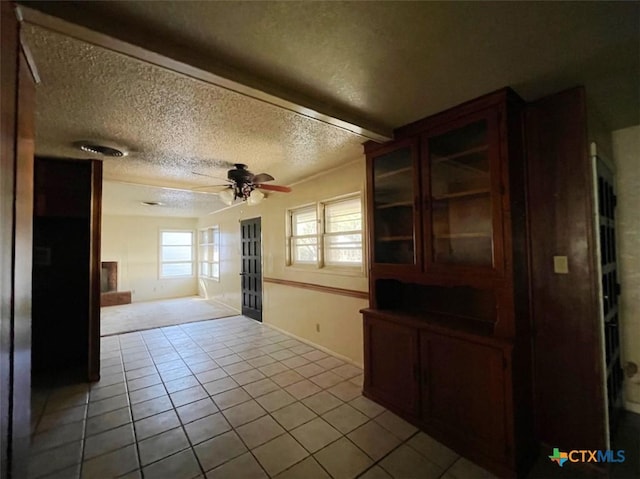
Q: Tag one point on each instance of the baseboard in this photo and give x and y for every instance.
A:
(632, 406)
(317, 346)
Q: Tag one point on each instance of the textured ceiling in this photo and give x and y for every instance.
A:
(172, 125)
(391, 63)
(126, 200)
(386, 63)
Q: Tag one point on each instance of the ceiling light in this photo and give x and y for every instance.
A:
(227, 196)
(100, 149)
(151, 203)
(255, 198)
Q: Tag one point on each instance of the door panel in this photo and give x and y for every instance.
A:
(391, 364)
(463, 391)
(251, 268)
(461, 185)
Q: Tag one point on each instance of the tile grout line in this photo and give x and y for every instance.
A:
(129, 406)
(84, 429)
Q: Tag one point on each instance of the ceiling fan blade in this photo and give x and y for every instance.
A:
(209, 176)
(210, 186)
(283, 189)
(262, 178)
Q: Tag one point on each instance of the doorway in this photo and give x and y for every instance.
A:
(251, 268)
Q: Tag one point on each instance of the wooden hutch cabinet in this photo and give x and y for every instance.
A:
(447, 337)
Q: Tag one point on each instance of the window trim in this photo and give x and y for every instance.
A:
(291, 237)
(161, 262)
(215, 232)
(321, 265)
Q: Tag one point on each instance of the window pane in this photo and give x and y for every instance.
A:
(305, 250)
(345, 215)
(177, 269)
(204, 269)
(177, 238)
(176, 253)
(304, 221)
(215, 270)
(343, 249)
(216, 244)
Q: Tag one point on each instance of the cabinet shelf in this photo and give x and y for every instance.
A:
(463, 236)
(460, 154)
(394, 205)
(388, 174)
(395, 238)
(462, 194)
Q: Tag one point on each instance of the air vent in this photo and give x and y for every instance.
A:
(100, 149)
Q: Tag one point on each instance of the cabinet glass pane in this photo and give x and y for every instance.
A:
(461, 196)
(393, 207)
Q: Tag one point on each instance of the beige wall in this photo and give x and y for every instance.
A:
(626, 146)
(292, 309)
(133, 241)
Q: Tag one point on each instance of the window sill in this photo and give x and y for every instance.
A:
(333, 270)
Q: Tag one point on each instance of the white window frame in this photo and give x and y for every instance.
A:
(291, 237)
(161, 262)
(213, 233)
(325, 234)
(321, 264)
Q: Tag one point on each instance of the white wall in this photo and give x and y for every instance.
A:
(626, 147)
(293, 309)
(133, 241)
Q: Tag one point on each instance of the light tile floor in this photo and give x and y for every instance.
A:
(229, 398)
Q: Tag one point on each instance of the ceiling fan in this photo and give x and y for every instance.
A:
(241, 183)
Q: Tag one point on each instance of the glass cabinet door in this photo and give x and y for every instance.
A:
(394, 206)
(460, 185)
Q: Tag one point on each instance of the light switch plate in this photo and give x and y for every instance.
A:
(560, 265)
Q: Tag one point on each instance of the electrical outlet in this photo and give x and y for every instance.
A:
(317, 327)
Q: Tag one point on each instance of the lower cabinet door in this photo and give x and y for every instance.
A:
(391, 364)
(463, 392)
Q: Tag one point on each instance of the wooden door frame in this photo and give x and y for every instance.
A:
(95, 270)
(16, 203)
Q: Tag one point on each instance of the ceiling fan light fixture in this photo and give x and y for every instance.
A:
(255, 198)
(227, 196)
